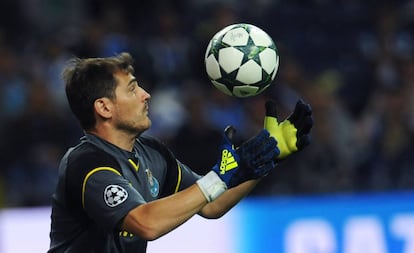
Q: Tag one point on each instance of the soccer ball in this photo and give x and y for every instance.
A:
(241, 60)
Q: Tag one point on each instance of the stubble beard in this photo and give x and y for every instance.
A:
(132, 129)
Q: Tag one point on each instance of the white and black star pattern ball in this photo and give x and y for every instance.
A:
(115, 195)
(241, 60)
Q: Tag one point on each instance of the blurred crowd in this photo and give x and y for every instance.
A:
(353, 61)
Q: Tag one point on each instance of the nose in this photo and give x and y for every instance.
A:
(146, 94)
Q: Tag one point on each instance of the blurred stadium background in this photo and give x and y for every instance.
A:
(353, 61)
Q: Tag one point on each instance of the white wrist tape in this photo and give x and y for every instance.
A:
(212, 186)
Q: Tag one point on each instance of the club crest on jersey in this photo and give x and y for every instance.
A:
(153, 184)
(115, 195)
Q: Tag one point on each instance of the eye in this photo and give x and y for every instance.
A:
(132, 88)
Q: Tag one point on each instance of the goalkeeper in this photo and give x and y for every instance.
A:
(119, 189)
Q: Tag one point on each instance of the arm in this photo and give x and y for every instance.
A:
(156, 218)
(209, 196)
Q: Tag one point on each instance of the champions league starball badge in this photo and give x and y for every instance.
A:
(115, 195)
(153, 184)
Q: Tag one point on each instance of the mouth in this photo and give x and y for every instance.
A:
(146, 108)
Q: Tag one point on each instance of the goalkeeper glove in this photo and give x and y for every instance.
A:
(253, 159)
(292, 134)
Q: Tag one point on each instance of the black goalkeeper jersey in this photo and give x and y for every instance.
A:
(100, 183)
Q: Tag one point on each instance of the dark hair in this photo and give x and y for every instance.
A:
(89, 79)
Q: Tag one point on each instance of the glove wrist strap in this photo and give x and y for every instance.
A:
(211, 186)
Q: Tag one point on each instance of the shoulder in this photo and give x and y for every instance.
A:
(88, 155)
(74, 167)
(156, 149)
(151, 141)
(83, 158)
(154, 143)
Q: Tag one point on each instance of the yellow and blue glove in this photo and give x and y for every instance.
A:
(292, 134)
(253, 159)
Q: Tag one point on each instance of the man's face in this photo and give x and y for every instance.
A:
(130, 105)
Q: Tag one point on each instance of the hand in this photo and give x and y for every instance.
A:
(252, 159)
(255, 158)
(292, 134)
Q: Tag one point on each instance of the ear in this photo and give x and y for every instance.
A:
(103, 107)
